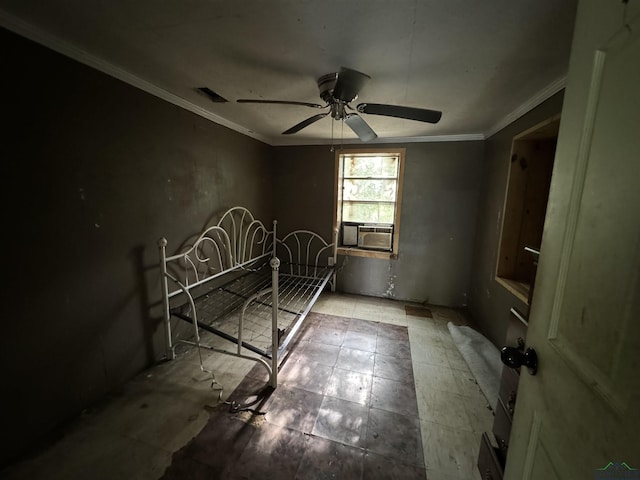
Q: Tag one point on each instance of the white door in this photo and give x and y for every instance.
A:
(582, 409)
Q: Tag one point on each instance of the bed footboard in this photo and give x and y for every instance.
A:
(308, 266)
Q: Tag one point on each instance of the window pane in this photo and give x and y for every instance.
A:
(381, 190)
(386, 212)
(371, 167)
(367, 212)
(389, 167)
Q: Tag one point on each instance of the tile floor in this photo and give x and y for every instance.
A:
(369, 392)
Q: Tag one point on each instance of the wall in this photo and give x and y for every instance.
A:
(441, 190)
(95, 171)
(489, 302)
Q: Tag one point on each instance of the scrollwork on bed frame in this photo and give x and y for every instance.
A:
(303, 253)
(237, 240)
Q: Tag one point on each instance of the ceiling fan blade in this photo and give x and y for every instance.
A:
(281, 102)
(410, 113)
(305, 123)
(349, 84)
(360, 127)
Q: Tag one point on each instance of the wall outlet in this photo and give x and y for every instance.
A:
(330, 261)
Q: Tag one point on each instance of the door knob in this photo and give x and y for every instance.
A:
(514, 358)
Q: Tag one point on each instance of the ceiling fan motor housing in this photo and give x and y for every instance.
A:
(326, 84)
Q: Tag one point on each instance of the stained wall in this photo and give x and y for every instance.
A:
(442, 185)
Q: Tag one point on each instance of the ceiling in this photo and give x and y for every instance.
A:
(481, 63)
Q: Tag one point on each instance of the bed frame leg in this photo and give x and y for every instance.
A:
(170, 353)
(335, 261)
(275, 265)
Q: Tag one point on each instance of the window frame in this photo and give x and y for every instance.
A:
(337, 201)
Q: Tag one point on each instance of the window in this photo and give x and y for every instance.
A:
(368, 198)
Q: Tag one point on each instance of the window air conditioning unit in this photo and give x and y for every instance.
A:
(376, 237)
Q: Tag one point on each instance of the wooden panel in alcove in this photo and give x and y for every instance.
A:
(531, 165)
(534, 206)
(513, 208)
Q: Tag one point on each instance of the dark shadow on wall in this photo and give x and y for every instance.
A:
(150, 323)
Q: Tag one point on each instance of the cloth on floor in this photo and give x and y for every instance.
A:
(482, 357)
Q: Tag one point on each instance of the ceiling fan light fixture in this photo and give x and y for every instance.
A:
(337, 110)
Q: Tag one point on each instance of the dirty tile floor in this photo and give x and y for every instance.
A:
(368, 392)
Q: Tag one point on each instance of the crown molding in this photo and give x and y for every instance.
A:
(290, 141)
(36, 34)
(544, 94)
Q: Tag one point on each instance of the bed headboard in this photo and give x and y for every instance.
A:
(236, 241)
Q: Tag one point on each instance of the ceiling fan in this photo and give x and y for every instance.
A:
(338, 90)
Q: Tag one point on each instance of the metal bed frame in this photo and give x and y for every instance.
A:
(231, 282)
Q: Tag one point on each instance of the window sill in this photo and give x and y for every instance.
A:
(359, 252)
(519, 289)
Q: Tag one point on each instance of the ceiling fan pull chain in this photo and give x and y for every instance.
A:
(332, 145)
